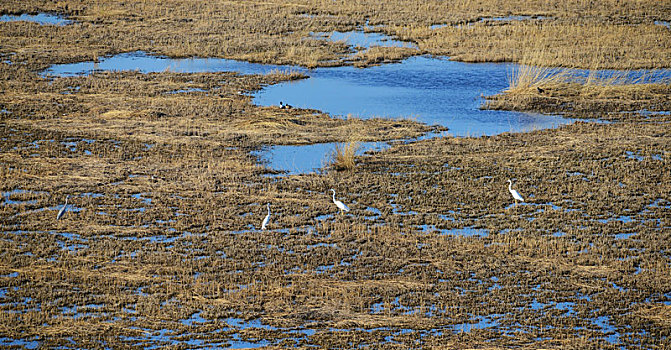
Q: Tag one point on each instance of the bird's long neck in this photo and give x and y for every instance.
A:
(66, 200)
(334, 196)
(510, 186)
(268, 210)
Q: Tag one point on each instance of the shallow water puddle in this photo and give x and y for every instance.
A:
(9, 197)
(19, 343)
(40, 18)
(363, 39)
(238, 324)
(666, 24)
(141, 61)
(304, 159)
(466, 231)
(87, 311)
(72, 242)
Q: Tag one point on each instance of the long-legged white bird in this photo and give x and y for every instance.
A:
(62, 211)
(515, 194)
(343, 208)
(266, 219)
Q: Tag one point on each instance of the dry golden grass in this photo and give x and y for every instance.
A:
(160, 246)
(617, 34)
(534, 87)
(621, 46)
(527, 77)
(379, 55)
(343, 157)
(561, 94)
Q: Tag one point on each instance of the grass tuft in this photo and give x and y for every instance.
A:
(343, 155)
(525, 77)
(531, 74)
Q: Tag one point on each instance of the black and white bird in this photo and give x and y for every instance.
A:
(284, 106)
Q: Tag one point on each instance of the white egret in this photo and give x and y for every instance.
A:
(515, 194)
(266, 219)
(62, 211)
(343, 208)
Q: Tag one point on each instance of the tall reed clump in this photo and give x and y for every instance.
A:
(532, 73)
(527, 76)
(343, 155)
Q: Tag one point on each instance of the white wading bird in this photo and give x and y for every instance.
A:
(266, 219)
(343, 208)
(515, 194)
(62, 211)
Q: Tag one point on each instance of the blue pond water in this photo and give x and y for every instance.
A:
(434, 91)
(304, 159)
(431, 90)
(363, 39)
(142, 62)
(41, 18)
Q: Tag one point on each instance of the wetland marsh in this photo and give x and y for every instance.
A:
(165, 165)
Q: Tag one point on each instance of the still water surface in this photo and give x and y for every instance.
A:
(435, 91)
(40, 18)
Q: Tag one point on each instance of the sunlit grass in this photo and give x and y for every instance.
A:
(141, 272)
(534, 76)
(525, 77)
(344, 154)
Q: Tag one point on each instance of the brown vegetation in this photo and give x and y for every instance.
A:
(615, 34)
(574, 99)
(343, 157)
(161, 246)
(552, 90)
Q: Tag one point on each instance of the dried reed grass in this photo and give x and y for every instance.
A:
(618, 34)
(157, 250)
(343, 157)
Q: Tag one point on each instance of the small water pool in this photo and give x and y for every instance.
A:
(363, 39)
(303, 159)
(40, 18)
(145, 63)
